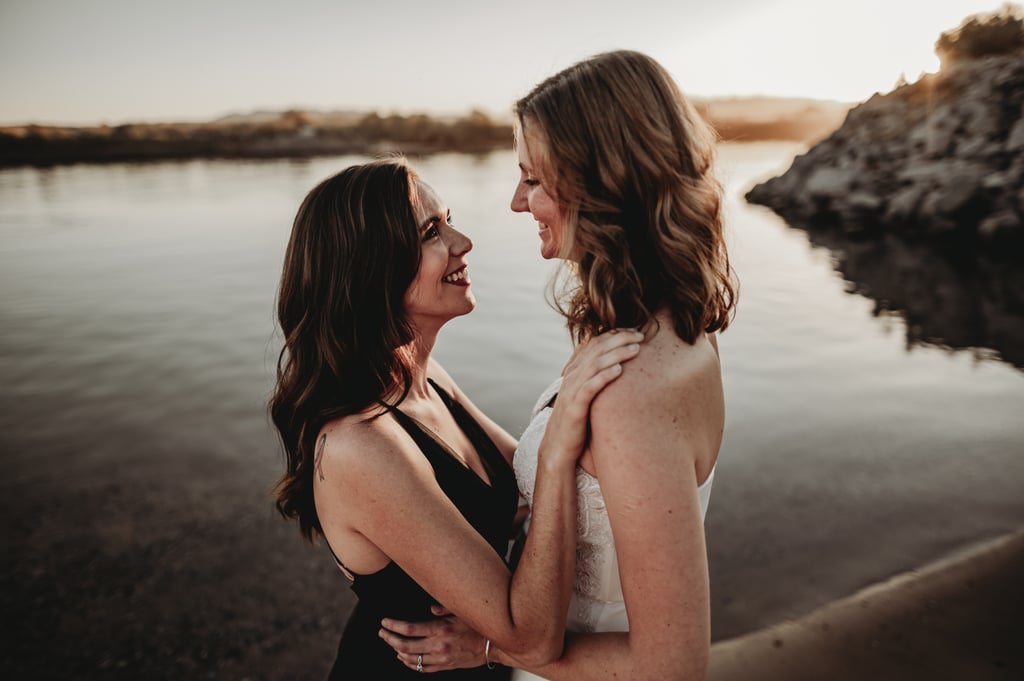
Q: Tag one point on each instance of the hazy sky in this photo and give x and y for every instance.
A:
(92, 61)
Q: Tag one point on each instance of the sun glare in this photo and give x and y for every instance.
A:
(792, 48)
(907, 33)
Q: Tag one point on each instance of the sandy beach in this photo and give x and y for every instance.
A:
(958, 618)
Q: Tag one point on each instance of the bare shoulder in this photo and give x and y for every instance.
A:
(344, 434)
(667, 370)
(668, 402)
(366, 446)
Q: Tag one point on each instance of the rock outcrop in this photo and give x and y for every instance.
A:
(940, 160)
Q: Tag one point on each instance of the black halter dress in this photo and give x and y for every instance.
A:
(390, 592)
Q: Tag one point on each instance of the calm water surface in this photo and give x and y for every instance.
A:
(137, 347)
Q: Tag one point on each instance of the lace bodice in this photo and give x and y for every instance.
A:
(597, 590)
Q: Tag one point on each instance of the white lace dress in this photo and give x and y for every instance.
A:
(597, 602)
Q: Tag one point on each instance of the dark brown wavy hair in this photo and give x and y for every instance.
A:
(353, 252)
(630, 163)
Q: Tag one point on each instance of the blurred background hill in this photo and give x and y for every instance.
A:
(302, 133)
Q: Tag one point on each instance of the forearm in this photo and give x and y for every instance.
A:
(546, 567)
(522, 611)
(542, 582)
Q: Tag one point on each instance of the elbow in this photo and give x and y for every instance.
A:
(541, 652)
(546, 654)
(534, 659)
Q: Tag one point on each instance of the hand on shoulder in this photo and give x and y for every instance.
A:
(593, 366)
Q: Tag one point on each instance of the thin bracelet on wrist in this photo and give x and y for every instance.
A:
(487, 654)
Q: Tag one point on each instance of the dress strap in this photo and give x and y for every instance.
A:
(438, 452)
(490, 456)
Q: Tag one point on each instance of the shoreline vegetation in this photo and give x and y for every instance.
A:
(303, 134)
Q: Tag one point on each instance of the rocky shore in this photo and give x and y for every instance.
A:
(940, 160)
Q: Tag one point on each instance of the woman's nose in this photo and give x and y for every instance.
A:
(520, 204)
(460, 243)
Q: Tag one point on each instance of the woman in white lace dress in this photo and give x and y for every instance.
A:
(617, 170)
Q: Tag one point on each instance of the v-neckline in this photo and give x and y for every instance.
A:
(446, 448)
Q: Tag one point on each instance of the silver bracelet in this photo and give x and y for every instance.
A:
(487, 654)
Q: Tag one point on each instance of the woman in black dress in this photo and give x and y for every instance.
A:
(407, 481)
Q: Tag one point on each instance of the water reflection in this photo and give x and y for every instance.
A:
(957, 301)
(136, 354)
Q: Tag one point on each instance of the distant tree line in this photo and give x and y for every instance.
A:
(293, 133)
(297, 133)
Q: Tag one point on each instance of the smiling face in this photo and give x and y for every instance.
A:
(441, 289)
(533, 196)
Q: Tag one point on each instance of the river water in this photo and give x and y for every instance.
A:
(137, 346)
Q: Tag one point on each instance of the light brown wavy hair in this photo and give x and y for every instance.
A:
(353, 252)
(630, 163)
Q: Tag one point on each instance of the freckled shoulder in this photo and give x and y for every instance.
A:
(666, 369)
(666, 408)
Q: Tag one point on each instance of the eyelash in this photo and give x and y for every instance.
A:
(529, 182)
(433, 232)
